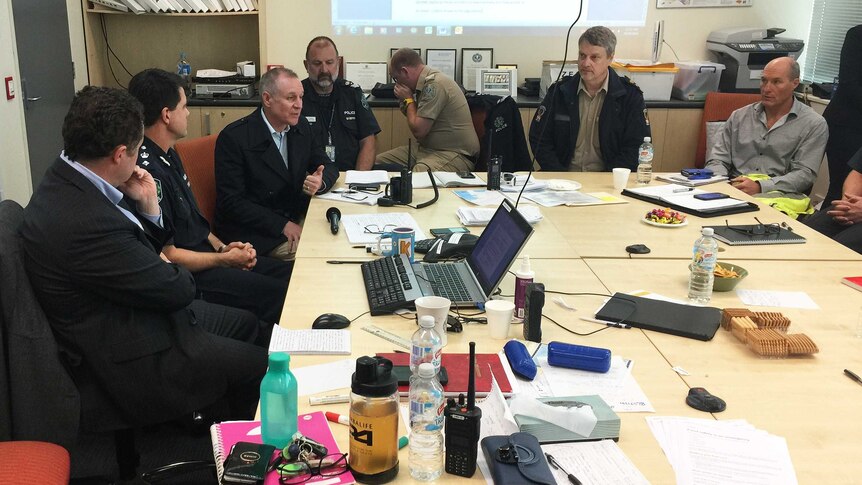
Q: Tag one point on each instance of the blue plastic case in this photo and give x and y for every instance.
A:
(593, 359)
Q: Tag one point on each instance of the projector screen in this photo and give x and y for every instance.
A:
(479, 17)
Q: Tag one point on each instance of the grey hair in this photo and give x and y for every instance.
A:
(794, 69)
(600, 36)
(269, 78)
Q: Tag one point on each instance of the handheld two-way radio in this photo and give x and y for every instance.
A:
(462, 427)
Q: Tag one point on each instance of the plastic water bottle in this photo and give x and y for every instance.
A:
(184, 69)
(426, 424)
(702, 267)
(645, 155)
(426, 345)
(278, 417)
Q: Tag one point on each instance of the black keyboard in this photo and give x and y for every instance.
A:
(389, 285)
(446, 281)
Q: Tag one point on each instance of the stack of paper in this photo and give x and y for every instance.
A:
(722, 452)
(470, 216)
(681, 180)
(309, 341)
(421, 180)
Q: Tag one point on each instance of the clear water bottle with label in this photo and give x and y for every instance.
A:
(645, 155)
(426, 424)
(426, 345)
(702, 266)
(184, 69)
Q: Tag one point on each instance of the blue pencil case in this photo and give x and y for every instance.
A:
(593, 359)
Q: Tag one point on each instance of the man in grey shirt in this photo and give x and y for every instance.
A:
(778, 136)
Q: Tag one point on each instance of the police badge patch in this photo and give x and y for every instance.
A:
(365, 103)
(539, 113)
(428, 90)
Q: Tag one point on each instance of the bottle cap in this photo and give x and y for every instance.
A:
(279, 361)
(525, 266)
(426, 321)
(707, 231)
(373, 377)
(426, 370)
(647, 139)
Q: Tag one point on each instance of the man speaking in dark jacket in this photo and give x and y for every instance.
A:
(594, 121)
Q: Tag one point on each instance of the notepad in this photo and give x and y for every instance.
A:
(743, 235)
(318, 341)
(682, 199)
(854, 282)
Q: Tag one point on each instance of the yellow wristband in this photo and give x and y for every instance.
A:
(407, 101)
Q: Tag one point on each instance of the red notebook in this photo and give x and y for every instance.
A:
(314, 425)
(457, 366)
(853, 282)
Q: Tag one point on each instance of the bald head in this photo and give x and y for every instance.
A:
(777, 82)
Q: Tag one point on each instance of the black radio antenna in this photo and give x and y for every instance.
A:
(471, 383)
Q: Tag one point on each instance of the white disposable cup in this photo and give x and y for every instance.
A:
(437, 307)
(499, 314)
(621, 178)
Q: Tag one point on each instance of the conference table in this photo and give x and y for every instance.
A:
(806, 400)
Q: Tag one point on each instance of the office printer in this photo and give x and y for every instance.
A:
(745, 52)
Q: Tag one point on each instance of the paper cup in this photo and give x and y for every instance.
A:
(499, 314)
(621, 178)
(437, 307)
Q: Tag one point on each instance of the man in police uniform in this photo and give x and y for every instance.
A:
(594, 121)
(437, 115)
(229, 274)
(337, 109)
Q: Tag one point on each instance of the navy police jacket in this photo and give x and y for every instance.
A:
(622, 124)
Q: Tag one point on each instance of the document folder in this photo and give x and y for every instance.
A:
(688, 321)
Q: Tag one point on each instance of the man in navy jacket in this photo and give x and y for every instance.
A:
(594, 121)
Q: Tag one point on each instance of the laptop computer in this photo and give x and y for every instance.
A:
(470, 282)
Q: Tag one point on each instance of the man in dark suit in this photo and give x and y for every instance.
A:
(268, 165)
(225, 273)
(123, 317)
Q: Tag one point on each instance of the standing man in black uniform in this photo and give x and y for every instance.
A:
(229, 274)
(337, 110)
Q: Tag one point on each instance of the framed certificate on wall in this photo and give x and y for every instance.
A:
(473, 59)
(444, 60)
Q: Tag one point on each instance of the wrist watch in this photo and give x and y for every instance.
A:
(406, 102)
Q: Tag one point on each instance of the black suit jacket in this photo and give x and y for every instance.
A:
(118, 311)
(256, 195)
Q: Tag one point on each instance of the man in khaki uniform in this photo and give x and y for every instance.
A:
(437, 114)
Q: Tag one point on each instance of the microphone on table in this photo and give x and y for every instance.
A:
(333, 215)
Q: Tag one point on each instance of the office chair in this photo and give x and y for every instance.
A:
(198, 156)
(718, 107)
(497, 121)
(34, 382)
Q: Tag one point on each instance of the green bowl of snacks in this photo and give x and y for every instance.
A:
(727, 276)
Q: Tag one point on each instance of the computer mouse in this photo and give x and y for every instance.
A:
(700, 399)
(637, 249)
(330, 321)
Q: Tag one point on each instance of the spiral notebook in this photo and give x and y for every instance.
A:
(744, 235)
(314, 425)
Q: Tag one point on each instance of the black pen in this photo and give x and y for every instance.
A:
(337, 261)
(849, 373)
(553, 461)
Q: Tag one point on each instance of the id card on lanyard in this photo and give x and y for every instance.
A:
(330, 148)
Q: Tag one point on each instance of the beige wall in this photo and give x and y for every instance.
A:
(14, 168)
(686, 30)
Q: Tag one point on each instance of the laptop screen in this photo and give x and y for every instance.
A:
(498, 246)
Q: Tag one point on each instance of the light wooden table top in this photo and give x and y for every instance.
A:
(806, 400)
(318, 242)
(662, 386)
(604, 231)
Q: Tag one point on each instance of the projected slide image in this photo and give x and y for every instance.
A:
(486, 13)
